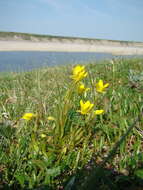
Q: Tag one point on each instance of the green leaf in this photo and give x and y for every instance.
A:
(139, 173)
(51, 173)
(40, 164)
(21, 179)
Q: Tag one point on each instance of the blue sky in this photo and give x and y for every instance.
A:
(104, 19)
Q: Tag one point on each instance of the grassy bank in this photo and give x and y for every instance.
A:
(65, 144)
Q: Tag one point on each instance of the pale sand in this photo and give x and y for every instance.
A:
(69, 47)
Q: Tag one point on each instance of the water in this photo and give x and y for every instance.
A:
(25, 61)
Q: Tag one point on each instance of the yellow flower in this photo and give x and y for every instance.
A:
(78, 73)
(51, 118)
(78, 69)
(100, 87)
(98, 112)
(81, 88)
(85, 107)
(28, 116)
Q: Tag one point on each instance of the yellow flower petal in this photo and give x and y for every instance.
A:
(78, 73)
(81, 88)
(100, 82)
(28, 116)
(106, 85)
(98, 112)
(85, 108)
(100, 87)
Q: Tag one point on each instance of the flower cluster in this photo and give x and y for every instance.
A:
(80, 73)
(86, 107)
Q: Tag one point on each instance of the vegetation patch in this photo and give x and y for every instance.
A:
(72, 127)
(42, 37)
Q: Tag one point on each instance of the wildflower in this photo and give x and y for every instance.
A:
(85, 107)
(100, 87)
(50, 118)
(81, 88)
(28, 116)
(98, 112)
(78, 73)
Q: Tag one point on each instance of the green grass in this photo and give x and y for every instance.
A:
(77, 152)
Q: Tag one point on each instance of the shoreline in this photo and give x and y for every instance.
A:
(68, 46)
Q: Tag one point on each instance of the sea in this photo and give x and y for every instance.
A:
(26, 61)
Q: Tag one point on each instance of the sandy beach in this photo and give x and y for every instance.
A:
(68, 46)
